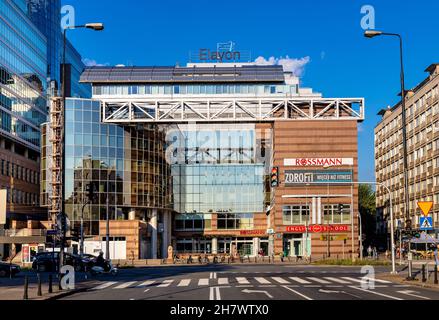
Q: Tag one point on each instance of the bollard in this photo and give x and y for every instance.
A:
(435, 274)
(424, 279)
(50, 283)
(39, 293)
(410, 275)
(26, 287)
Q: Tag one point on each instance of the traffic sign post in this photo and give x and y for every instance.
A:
(426, 223)
(425, 207)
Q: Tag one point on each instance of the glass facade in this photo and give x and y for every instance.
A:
(194, 89)
(22, 75)
(126, 164)
(46, 15)
(219, 170)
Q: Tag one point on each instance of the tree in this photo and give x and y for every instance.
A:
(367, 208)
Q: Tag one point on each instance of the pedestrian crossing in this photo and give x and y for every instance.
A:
(240, 281)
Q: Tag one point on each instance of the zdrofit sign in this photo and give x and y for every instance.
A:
(318, 162)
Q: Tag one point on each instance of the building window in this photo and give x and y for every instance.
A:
(235, 221)
(334, 214)
(295, 214)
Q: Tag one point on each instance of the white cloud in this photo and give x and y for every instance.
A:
(296, 66)
(93, 63)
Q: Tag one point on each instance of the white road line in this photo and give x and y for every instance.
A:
(262, 280)
(214, 275)
(218, 295)
(318, 280)
(184, 283)
(105, 285)
(337, 280)
(125, 285)
(299, 280)
(413, 294)
(376, 280)
(146, 290)
(280, 280)
(353, 279)
(146, 283)
(203, 282)
(377, 293)
(242, 280)
(223, 281)
(211, 294)
(298, 293)
(165, 284)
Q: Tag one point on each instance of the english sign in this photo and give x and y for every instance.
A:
(318, 228)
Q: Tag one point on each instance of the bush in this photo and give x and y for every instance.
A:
(349, 262)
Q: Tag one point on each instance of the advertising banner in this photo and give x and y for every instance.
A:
(301, 177)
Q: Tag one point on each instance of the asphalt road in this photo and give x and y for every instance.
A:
(249, 282)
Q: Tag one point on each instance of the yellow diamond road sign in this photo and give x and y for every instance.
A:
(425, 207)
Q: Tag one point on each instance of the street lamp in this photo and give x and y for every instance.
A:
(96, 27)
(372, 34)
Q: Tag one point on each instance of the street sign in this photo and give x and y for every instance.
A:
(425, 207)
(426, 223)
(52, 232)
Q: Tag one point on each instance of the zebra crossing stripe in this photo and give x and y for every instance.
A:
(376, 280)
(165, 284)
(242, 280)
(337, 280)
(262, 280)
(222, 281)
(353, 279)
(105, 285)
(146, 283)
(203, 282)
(299, 280)
(126, 285)
(280, 280)
(184, 283)
(318, 280)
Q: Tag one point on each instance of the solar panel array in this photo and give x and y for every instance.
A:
(269, 74)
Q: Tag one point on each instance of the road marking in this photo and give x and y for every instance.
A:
(353, 279)
(222, 281)
(262, 280)
(184, 283)
(105, 285)
(203, 282)
(413, 294)
(125, 285)
(318, 280)
(280, 280)
(146, 290)
(218, 295)
(298, 293)
(214, 275)
(377, 293)
(165, 284)
(299, 280)
(376, 280)
(337, 280)
(146, 283)
(214, 293)
(258, 291)
(242, 280)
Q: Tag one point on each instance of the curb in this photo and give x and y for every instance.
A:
(66, 294)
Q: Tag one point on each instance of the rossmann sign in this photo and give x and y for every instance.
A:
(318, 162)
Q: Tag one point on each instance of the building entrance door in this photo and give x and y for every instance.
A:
(296, 248)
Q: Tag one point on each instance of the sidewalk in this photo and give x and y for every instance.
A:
(401, 277)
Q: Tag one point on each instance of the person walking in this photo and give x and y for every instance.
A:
(369, 251)
(375, 253)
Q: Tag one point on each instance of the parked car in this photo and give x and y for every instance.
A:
(48, 261)
(7, 269)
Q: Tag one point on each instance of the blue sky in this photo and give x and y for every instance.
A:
(342, 62)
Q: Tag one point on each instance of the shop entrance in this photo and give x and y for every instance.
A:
(296, 245)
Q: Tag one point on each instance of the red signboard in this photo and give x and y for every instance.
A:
(318, 228)
(252, 232)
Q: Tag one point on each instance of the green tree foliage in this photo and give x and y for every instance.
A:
(367, 207)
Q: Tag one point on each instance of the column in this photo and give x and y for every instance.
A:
(319, 210)
(256, 246)
(165, 239)
(313, 210)
(170, 231)
(271, 245)
(215, 245)
(153, 224)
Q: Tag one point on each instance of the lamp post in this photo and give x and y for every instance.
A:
(96, 27)
(376, 33)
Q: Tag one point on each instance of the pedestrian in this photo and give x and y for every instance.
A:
(436, 258)
(375, 253)
(369, 251)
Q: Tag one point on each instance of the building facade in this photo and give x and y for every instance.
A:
(188, 154)
(422, 106)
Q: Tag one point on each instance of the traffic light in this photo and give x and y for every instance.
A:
(275, 177)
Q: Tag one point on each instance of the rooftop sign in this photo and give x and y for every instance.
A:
(224, 52)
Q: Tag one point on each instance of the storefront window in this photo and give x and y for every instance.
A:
(295, 215)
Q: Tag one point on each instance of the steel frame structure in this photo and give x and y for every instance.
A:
(189, 109)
